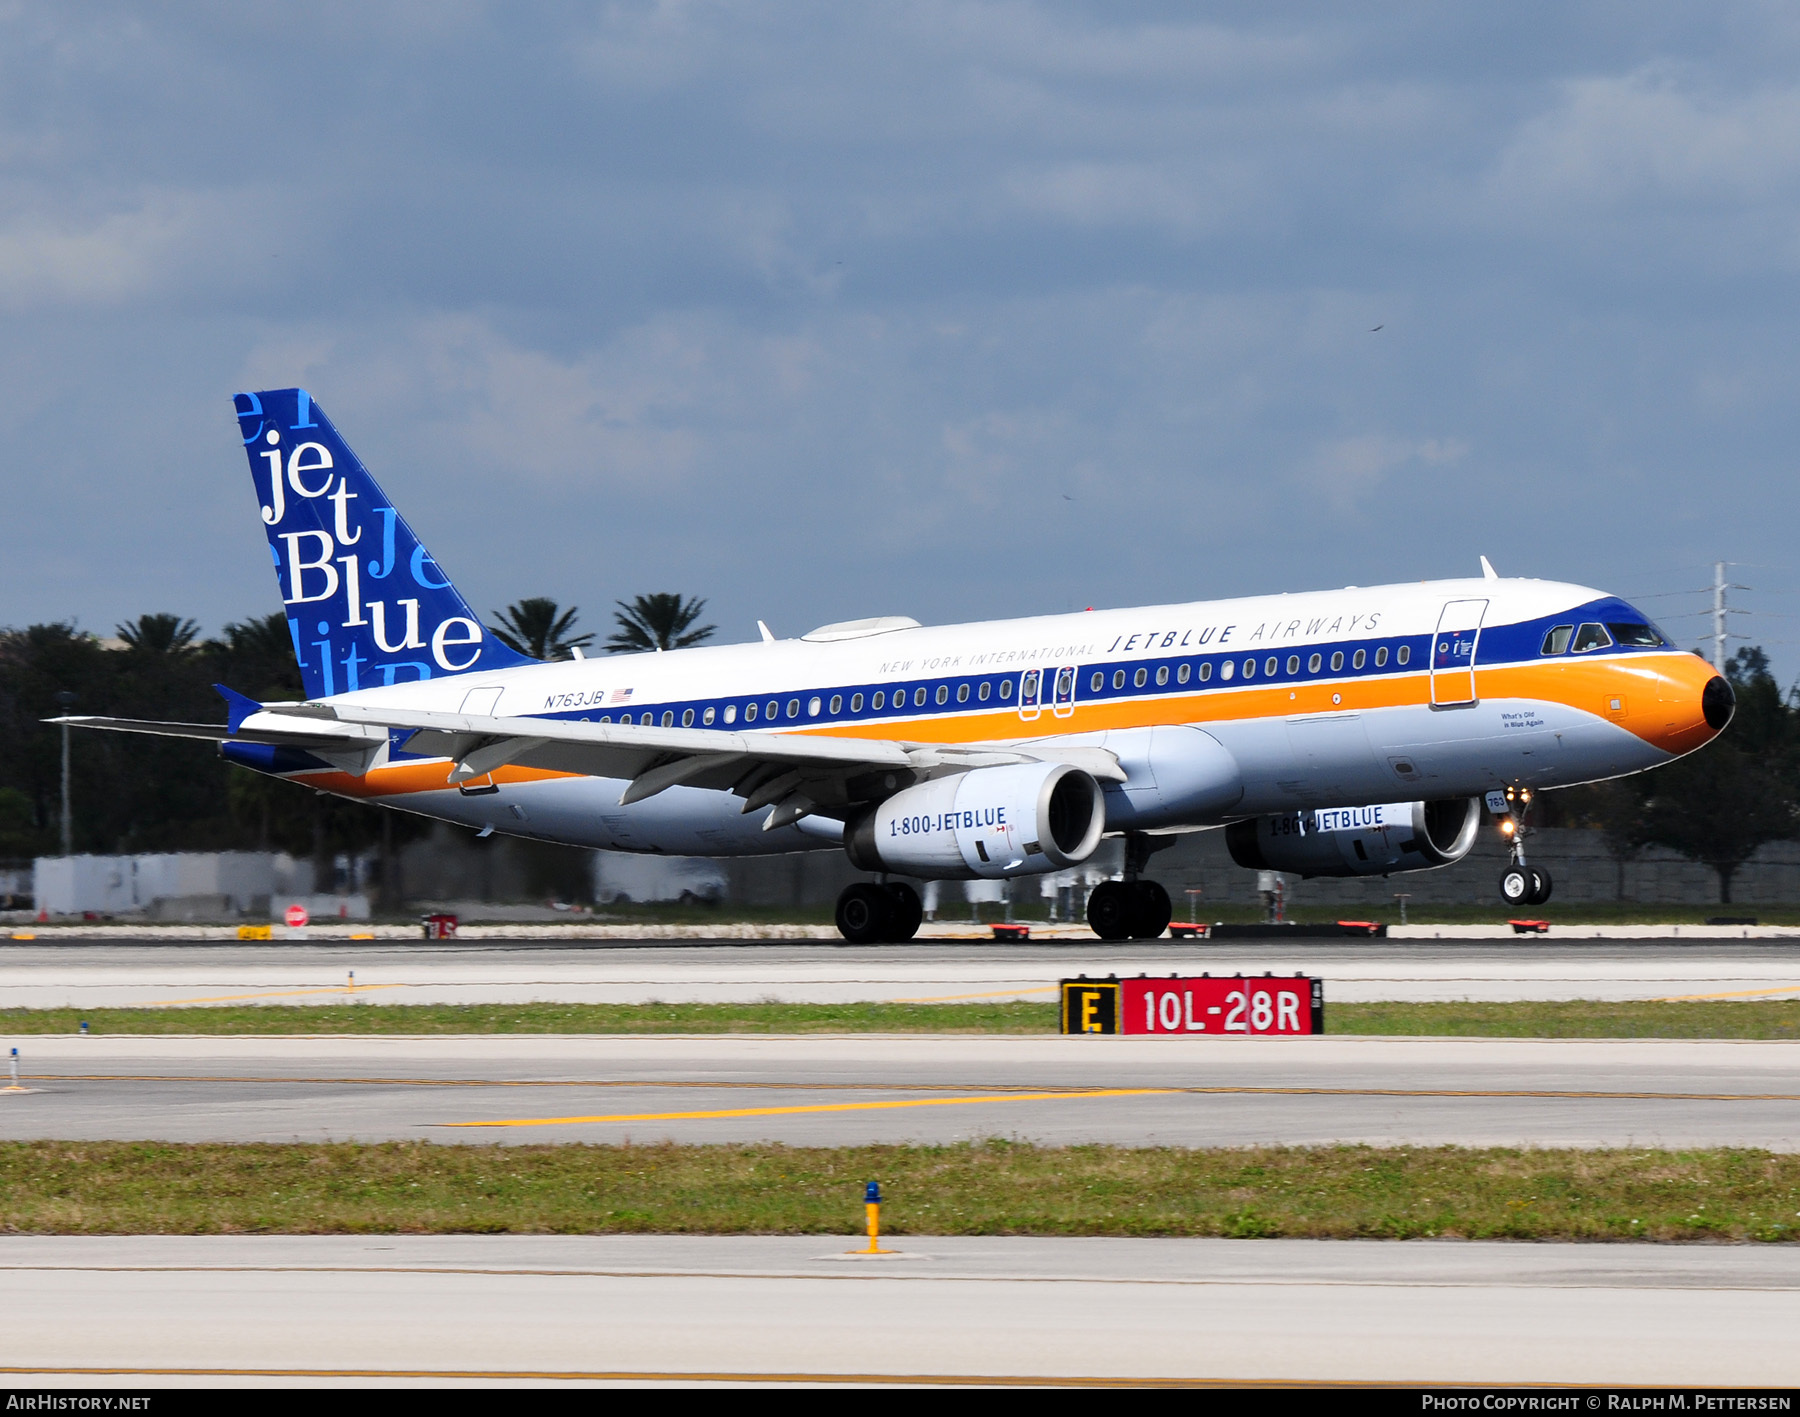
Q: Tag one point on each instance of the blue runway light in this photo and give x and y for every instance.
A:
(872, 1193)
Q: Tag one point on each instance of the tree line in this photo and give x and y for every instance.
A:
(138, 793)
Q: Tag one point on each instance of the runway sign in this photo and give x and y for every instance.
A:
(1221, 1006)
(1090, 1005)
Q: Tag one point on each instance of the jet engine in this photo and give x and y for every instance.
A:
(991, 822)
(1376, 840)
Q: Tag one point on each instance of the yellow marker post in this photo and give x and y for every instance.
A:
(872, 1208)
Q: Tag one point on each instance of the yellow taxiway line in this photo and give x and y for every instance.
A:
(815, 1107)
(266, 994)
(1734, 994)
(992, 994)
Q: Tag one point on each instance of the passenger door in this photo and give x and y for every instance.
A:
(1453, 653)
(1029, 704)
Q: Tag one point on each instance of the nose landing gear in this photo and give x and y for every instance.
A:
(1520, 883)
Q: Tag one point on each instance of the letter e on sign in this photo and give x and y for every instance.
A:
(1090, 1006)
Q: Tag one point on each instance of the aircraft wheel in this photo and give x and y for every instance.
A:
(1515, 885)
(1109, 911)
(1540, 886)
(1150, 910)
(865, 913)
(908, 912)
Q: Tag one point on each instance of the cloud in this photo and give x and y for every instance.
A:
(954, 309)
(1346, 471)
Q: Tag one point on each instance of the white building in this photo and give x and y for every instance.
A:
(189, 885)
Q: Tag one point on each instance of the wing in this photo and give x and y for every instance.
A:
(797, 774)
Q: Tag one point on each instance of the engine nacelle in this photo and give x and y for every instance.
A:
(1378, 840)
(1010, 821)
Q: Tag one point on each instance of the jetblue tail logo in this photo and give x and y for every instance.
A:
(365, 602)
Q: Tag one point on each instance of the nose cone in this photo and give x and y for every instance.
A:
(1717, 703)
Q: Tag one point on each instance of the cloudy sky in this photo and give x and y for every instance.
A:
(954, 310)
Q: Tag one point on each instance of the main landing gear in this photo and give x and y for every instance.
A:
(1132, 909)
(879, 913)
(1520, 883)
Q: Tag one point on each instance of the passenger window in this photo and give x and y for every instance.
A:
(919, 697)
(1402, 654)
(982, 692)
(1097, 682)
(606, 718)
(1590, 636)
(731, 713)
(1337, 660)
(687, 718)
(1249, 668)
(1269, 665)
(1381, 656)
(1138, 679)
(943, 693)
(1162, 674)
(668, 718)
(879, 699)
(1206, 671)
(1357, 660)
(1182, 674)
(856, 702)
(771, 710)
(812, 706)
(624, 718)
(1312, 665)
(962, 693)
(1118, 678)
(1557, 640)
(837, 704)
(1228, 668)
(1293, 664)
(707, 717)
(1006, 688)
(1637, 636)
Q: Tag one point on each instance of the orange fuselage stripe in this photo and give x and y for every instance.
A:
(1656, 697)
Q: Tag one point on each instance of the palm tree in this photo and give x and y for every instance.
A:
(259, 654)
(159, 634)
(658, 621)
(540, 628)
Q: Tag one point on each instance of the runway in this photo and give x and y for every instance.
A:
(837, 1090)
(143, 1311)
(102, 973)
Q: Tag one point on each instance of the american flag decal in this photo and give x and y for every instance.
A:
(621, 696)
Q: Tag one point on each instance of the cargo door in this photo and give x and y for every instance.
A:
(1453, 653)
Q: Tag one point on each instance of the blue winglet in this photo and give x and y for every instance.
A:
(237, 707)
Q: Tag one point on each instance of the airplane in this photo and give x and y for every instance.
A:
(1342, 732)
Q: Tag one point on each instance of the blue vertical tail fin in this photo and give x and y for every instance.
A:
(365, 602)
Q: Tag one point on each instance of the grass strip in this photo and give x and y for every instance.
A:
(981, 1188)
(1746, 1019)
(983, 1017)
(1578, 1018)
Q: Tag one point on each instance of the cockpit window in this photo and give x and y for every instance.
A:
(1637, 636)
(1557, 640)
(1590, 636)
